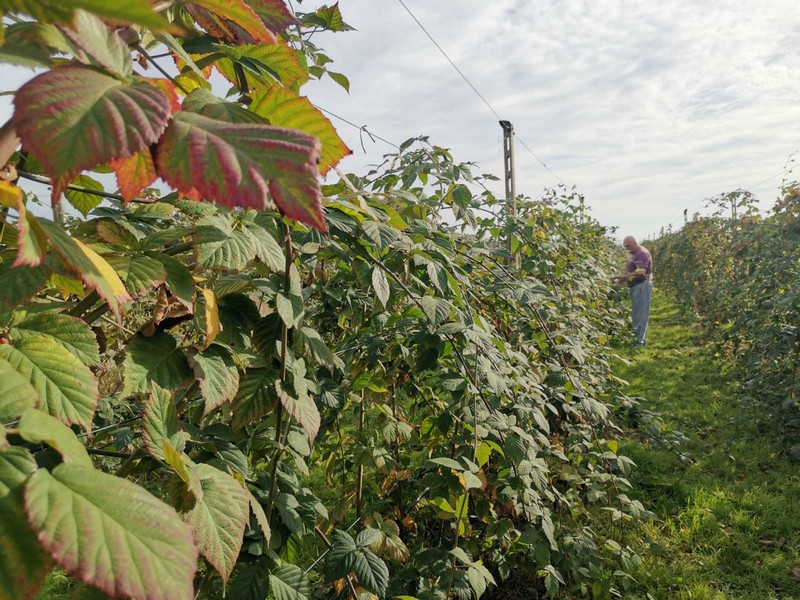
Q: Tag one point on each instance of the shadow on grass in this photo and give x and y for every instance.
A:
(727, 522)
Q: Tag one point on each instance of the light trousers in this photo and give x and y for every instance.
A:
(641, 293)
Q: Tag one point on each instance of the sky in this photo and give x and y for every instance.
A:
(646, 108)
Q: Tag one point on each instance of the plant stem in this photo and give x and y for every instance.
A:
(99, 452)
(360, 484)
(279, 416)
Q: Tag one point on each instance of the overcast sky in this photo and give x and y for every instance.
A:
(647, 108)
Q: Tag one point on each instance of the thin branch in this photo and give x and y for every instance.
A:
(140, 49)
(111, 453)
(85, 190)
(327, 542)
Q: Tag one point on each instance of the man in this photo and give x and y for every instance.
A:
(638, 271)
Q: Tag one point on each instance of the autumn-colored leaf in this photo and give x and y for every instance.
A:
(284, 108)
(210, 314)
(235, 164)
(170, 91)
(10, 195)
(232, 20)
(75, 117)
(92, 268)
(263, 65)
(134, 173)
(111, 533)
(275, 14)
(31, 241)
(329, 17)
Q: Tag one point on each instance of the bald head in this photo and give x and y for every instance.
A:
(630, 244)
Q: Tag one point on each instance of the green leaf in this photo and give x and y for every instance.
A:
(260, 515)
(16, 465)
(92, 268)
(88, 520)
(250, 581)
(62, 11)
(447, 462)
(139, 272)
(154, 359)
(329, 17)
(16, 393)
(19, 284)
(160, 424)
(218, 376)
(117, 233)
(284, 108)
(381, 285)
(219, 519)
(283, 305)
(235, 164)
(436, 309)
(255, 398)
(266, 247)
(101, 45)
(67, 388)
(288, 506)
(40, 428)
(263, 64)
(311, 339)
(221, 246)
(342, 556)
(302, 409)
(341, 79)
(203, 102)
(69, 332)
(372, 572)
(179, 279)
(288, 582)
(367, 537)
(61, 113)
(84, 202)
(23, 563)
(21, 51)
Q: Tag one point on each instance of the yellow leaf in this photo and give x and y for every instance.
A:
(284, 108)
(108, 274)
(212, 317)
(613, 445)
(10, 195)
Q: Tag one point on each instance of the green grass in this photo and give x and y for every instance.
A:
(727, 525)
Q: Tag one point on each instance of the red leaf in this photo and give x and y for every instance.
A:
(274, 14)
(134, 173)
(74, 118)
(235, 163)
(232, 20)
(169, 90)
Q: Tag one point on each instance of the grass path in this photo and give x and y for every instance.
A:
(727, 524)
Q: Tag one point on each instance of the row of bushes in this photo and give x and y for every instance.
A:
(740, 272)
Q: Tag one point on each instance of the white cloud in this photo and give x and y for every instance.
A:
(648, 108)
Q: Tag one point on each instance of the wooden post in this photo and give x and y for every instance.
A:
(510, 181)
